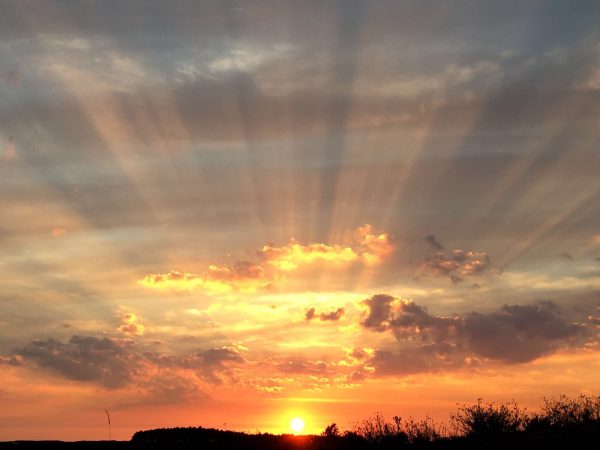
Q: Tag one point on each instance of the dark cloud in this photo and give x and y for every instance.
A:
(406, 319)
(457, 265)
(410, 320)
(114, 363)
(332, 316)
(310, 314)
(433, 242)
(513, 334)
(378, 312)
(15, 360)
(106, 361)
(427, 358)
(518, 333)
(210, 365)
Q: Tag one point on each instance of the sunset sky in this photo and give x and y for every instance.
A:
(232, 214)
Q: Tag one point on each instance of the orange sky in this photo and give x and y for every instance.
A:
(234, 214)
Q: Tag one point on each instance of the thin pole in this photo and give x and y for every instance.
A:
(108, 416)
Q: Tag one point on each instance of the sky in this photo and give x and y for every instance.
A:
(231, 214)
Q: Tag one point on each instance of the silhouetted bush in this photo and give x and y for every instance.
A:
(331, 431)
(564, 413)
(561, 423)
(423, 431)
(377, 431)
(489, 420)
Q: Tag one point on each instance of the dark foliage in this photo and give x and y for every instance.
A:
(488, 420)
(561, 423)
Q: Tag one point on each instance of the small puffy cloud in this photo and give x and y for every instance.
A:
(356, 355)
(457, 265)
(332, 316)
(131, 324)
(310, 314)
(373, 247)
(242, 276)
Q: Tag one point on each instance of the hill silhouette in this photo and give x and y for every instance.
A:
(561, 423)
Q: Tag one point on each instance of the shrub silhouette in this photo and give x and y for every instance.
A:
(331, 431)
(423, 431)
(564, 414)
(377, 431)
(561, 423)
(489, 420)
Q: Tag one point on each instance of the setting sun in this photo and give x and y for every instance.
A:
(297, 424)
(281, 224)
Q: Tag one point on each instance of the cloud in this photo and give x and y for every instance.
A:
(108, 362)
(595, 320)
(304, 367)
(373, 247)
(518, 333)
(365, 247)
(379, 311)
(293, 255)
(457, 265)
(15, 360)
(433, 242)
(513, 334)
(131, 324)
(115, 363)
(241, 276)
(406, 319)
(332, 316)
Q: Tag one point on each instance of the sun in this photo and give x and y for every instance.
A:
(297, 424)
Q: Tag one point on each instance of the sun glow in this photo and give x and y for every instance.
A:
(297, 424)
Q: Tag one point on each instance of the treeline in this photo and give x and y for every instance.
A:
(562, 423)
